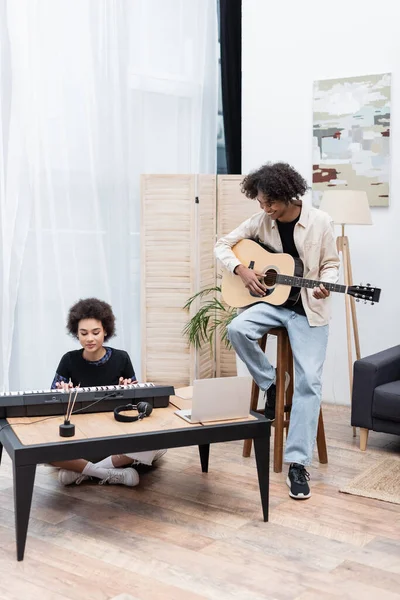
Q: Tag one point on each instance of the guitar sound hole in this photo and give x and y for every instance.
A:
(270, 278)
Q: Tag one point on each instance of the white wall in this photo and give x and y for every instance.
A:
(286, 46)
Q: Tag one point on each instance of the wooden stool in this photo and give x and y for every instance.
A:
(282, 409)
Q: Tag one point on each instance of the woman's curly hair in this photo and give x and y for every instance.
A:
(278, 181)
(91, 308)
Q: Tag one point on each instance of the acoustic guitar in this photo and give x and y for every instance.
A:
(283, 277)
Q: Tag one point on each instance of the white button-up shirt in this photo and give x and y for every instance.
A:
(315, 242)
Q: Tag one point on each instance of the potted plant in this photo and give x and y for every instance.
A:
(212, 318)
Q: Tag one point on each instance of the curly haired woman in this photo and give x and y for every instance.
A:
(286, 224)
(92, 322)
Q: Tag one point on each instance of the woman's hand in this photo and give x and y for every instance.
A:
(63, 385)
(123, 381)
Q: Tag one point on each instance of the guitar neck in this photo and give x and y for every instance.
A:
(309, 283)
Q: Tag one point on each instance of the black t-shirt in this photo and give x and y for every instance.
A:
(102, 372)
(289, 247)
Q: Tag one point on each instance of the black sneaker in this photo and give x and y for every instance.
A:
(297, 480)
(270, 399)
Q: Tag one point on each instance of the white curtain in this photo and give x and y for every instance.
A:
(92, 93)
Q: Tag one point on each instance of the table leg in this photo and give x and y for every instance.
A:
(261, 451)
(1, 451)
(204, 450)
(24, 478)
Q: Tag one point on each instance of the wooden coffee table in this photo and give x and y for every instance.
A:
(35, 440)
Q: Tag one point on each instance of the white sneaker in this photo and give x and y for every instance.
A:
(127, 476)
(67, 477)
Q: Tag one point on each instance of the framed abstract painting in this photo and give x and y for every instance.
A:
(351, 136)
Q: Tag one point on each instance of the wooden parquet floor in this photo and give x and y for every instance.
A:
(184, 535)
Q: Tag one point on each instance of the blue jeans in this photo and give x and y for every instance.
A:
(309, 349)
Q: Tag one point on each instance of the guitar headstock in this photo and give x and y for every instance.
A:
(367, 293)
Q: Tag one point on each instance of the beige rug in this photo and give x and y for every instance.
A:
(381, 482)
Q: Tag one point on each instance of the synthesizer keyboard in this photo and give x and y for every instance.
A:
(35, 403)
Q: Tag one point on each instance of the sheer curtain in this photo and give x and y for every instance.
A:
(92, 93)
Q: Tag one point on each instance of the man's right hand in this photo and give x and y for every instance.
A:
(251, 280)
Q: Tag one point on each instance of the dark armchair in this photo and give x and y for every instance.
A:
(376, 394)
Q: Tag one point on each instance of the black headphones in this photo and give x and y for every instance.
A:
(144, 409)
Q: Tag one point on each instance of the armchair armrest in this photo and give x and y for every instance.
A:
(369, 372)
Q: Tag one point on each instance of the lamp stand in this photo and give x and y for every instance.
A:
(342, 244)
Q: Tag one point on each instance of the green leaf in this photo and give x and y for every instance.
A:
(211, 319)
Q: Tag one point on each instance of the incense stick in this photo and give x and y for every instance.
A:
(73, 403)
(69, 401)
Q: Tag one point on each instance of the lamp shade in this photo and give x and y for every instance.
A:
(348, 207)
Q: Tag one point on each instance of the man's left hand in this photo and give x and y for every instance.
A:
(320, 293)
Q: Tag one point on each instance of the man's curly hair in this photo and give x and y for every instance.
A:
(91, 308)
(278, 181)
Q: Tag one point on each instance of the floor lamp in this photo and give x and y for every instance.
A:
(348, 207)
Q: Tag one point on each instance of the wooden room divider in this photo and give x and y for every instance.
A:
(182, 217)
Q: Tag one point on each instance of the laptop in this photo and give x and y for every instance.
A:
(218, 399)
